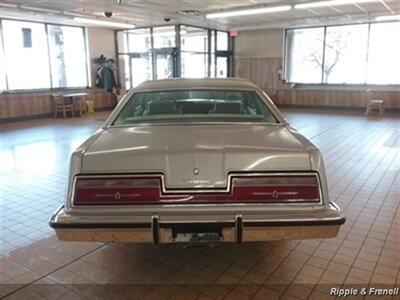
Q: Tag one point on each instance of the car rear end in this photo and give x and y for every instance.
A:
(253, 207)
(196, 175)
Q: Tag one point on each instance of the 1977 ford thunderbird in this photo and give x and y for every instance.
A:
(193, 160)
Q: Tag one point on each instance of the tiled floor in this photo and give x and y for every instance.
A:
(362, 157)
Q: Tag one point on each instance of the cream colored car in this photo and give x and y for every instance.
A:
(196, 160)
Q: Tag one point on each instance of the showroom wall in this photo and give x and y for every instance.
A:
(100, 41)
(20, 105)
(267, 43)
(259, 57)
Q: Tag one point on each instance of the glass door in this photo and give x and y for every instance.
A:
(222, 67)
(194, 52)
(174, 51)
(165, 63)
(140, 68)
(223, 64)
(223, 55)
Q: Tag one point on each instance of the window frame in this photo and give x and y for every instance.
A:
(39, 90)
(323, 83)
(210, 52)
(207, 51)
(286, 60)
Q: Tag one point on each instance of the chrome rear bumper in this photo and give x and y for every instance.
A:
(159, 229)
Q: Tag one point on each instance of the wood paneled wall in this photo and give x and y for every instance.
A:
(263, 72)
(25, 105)
(336, 98)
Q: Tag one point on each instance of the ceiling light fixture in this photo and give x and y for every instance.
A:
(388, 18)
(246, 12)
(330, 3)
(104, 23)
(8, 5)
(39, 9)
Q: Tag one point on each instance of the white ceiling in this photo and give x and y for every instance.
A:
(153, 12)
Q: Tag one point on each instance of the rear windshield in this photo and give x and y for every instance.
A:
(195, 106)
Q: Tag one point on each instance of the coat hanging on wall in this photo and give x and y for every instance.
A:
(100, 62)
(105, 77)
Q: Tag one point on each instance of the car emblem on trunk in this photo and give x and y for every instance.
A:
(196, 171)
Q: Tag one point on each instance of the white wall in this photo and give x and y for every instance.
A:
(101, 41)
(259, 43)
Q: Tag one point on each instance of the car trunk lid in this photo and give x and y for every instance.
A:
(192, 156)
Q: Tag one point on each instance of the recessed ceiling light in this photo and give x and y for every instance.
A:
(245, 12)
(104, 23)
(388, 18)
(330, 3)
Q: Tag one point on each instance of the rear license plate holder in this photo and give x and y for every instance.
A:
(198, 237)
(197, 233)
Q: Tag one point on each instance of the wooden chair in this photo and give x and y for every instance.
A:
(374, 104)
(60, 105)
(378, 104)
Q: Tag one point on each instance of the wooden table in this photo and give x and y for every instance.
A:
(76, 97)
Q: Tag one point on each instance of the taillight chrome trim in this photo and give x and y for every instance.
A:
(198, 190)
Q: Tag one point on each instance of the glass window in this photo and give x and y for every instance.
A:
(353, 54)
(124, 71)
(27, 67)
(67, 56)
(164, 65)
(222, 67)
(384, 54)
(164, 37)
(141, 68)
(151, 57)
(194, 39)
(213, 62)
(222, 40)
(122, 41)
(213, 33)
(304, 48)
(139, 40)
(346, 54)
(194, 56)
(41, 56)
(194, 65)
(138, 64)
(195, 106)
(2, 68)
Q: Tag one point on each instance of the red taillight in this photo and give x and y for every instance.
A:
(276, 189)
(116, 190)
(242, 189)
